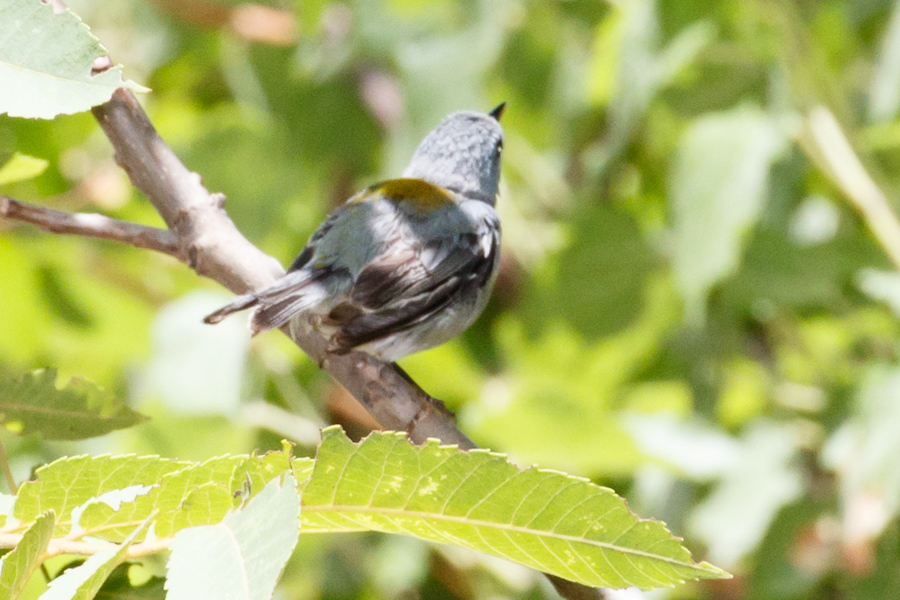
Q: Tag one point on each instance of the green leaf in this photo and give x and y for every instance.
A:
(242, 557)
(25, 558)
(206, 505)
(718, 186)
(21, 167)
(46, 61)
(32, 403)
(559, 524)
(84, 581)
(68, 483)
(198, 494)
(256, 471)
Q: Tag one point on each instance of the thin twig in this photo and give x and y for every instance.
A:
(7, 472)
(91, 225)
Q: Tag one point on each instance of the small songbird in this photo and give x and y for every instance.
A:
(405, 264)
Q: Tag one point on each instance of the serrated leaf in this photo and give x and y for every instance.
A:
(21, 167)
(240, 558)
(256, 471)
(113, 501)
(302, 469)
(205, 505)
(68, 483)
(46, 62)
(166, 499)
(198, 494)
(32, 403)
(556, 523)
(84, 581)
(18, 566)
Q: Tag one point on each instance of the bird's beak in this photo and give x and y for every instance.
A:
(498, 112)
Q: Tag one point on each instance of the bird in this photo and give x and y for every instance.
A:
(405, 264)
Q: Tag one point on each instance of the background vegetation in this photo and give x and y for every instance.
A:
(692, 310)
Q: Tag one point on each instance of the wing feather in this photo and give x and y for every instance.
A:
(402, 291)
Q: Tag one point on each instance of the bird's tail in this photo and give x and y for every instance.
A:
(275, 305)
(240, 303)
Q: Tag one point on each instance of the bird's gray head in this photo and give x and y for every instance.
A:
(462, 154)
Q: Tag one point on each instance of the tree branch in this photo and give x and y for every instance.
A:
(91, 225)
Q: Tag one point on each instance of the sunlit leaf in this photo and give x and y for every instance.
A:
(84, 581)
(241, 557)
(196, 494)
(67, 483)
(46, 61)
(544, 519)
(17, 567)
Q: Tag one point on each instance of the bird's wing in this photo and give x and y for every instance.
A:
(415, 278)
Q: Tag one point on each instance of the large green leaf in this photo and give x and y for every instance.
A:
(559, 524)
(200, 494)
(18, 566)
(67, 483)
(241, 557)
(107, 497)
(172, 498)
(46, 61)
(32, 403)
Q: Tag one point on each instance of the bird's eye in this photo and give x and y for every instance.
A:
(500, 147)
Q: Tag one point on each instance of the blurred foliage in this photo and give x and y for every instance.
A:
(689, 311)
